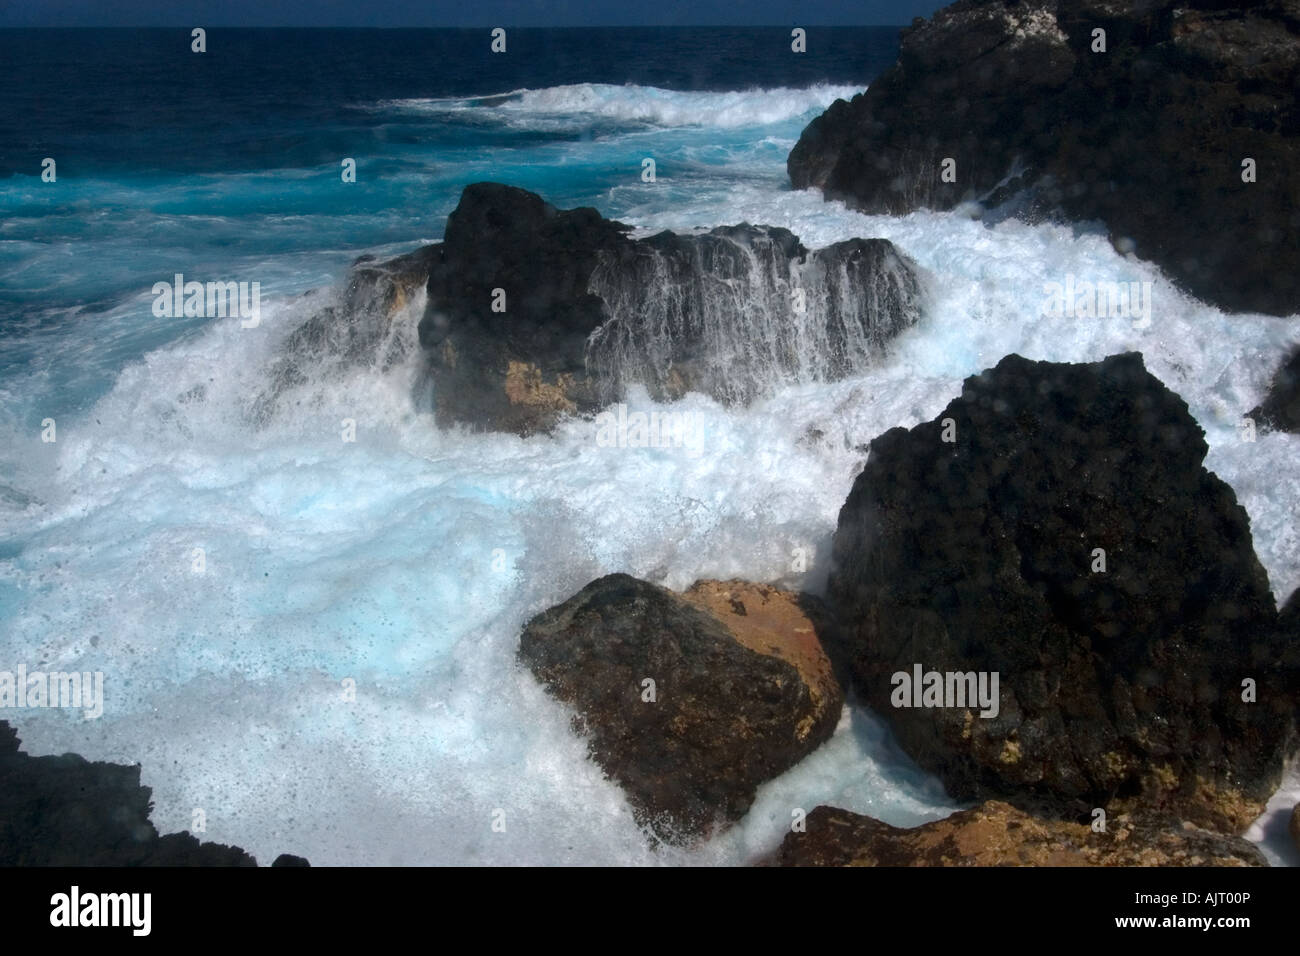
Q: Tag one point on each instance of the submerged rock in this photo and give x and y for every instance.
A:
(68, 811)
(997, 834)
(1150, 136)
(689, 701)
(1055, 526)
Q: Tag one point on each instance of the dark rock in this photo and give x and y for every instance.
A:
(1288, 621)
(67, 811)
(738, 698)
(361, 330)
(997, 834)
(1294, 826)
(1117, 687)
(589, 310)
(1148, 137)
(1280, 409)
(288, 859)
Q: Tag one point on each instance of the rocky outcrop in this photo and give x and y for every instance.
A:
(535, 312)
(1280, 409)
(532, 313)
(1055, 526)
(689, 701)
(997, 834)
(362, 329)
(67, 811)
(1149, 136)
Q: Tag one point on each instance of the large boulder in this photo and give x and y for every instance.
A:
(998, 834)
(68, 811)
(583, 310)
(689, 701)
(1149, 136)
(532, 313)
(1055, 526)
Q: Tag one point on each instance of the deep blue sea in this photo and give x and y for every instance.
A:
(229, 579)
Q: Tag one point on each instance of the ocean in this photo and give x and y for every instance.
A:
(312, 641)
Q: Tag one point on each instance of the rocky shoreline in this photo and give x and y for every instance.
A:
(1053, 528)
(1173, 123)
(68, 811)
(533, 313)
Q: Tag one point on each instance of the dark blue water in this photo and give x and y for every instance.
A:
(139, 102)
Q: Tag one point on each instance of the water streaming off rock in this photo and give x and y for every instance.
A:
(741, 311)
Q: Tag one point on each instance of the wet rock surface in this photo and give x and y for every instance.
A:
(985, 554)
(741, 692)
(998, 834)
(1148, 137)
(68, 811)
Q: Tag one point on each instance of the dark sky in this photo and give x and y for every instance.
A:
(467, 13)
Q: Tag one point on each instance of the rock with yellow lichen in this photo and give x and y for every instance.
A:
(998, 834)
(689, 701)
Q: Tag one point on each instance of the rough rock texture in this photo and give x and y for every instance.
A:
(585, 311)
(67, 811)
(1116, 686)
(1288, 620)
(742, 691)
(1294, 826)
(1281, 406)
(997, 834)
(588, 310)
(362, 329)
(1148, 137)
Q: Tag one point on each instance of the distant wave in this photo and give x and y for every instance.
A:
(637, 104)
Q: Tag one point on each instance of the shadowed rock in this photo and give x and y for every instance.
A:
(741, 692)
(67, 811)
(1149, 136)
(1118, 687)
(532, 313)
(588, 310)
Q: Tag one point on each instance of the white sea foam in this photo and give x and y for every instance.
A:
(582, 102)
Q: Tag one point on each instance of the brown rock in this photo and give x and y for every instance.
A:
(997, 834)
(741, 692)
